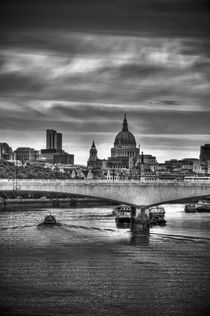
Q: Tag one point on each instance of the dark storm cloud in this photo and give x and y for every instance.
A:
(126, 74)
(123, 15)
(77, 66)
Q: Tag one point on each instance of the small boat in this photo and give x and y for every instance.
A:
(203, 206)
(157, 215)
(190, 208)
(122, 215)
(49, 220)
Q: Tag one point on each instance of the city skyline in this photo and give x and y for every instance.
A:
(77, 67)
(93, 142)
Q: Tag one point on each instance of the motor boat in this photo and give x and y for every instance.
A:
(50, 220)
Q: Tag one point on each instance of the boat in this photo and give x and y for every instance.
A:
(121, 208)
(50, 220)
(203, 206)
(190, 208)
(157, 215)
(122, 215)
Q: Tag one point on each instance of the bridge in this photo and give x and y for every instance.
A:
(127, 192)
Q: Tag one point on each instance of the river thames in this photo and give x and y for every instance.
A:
(86, 266)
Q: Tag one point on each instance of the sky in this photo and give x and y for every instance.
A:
(77, 66)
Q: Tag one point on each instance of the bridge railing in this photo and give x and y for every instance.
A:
(93, 181)
(76, 181)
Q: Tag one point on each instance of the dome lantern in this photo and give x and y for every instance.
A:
(125, 124)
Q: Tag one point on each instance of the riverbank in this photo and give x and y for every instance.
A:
(51, 202)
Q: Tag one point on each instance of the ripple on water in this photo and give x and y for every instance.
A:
(87, 266)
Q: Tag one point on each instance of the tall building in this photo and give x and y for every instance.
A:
(59, 141)
(54, 152)
(53, 139)
(53, 145)
(205, 153)
(124, 154)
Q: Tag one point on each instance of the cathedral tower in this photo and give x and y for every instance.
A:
(93, 152)
(93, 160)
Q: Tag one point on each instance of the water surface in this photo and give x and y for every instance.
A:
(86, 266)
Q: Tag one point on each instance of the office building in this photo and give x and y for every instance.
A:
(54, 152)
(53, 139)
(59, 141)
(205, 153)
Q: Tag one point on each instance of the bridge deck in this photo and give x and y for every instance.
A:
(130, 192)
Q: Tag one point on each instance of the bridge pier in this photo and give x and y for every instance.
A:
(141, 222)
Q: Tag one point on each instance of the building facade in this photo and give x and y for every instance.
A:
(26, 154)
(6, 152)
(63, 158)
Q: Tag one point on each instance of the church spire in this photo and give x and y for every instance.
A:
(125, 124)
(93, 145)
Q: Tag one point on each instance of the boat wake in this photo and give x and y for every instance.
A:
(58, 225)
(95, 216)
(16, 227)
(182, 237)
(88, 227)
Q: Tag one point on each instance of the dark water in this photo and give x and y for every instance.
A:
(87, 266)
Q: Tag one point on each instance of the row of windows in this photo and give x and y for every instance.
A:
(197, 179)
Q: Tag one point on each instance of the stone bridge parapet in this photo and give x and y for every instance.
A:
(128, 192)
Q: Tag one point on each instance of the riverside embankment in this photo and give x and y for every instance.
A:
(7, 204)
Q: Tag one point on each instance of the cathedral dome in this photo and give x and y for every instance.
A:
(125, 137)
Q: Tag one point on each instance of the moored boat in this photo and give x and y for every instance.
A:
(157, 215)
(203, 206)
(122, 215)
(190, 208)
(121, 208)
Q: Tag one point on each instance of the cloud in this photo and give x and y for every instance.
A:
(120, 69)
(185, 17)
(77, 66)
